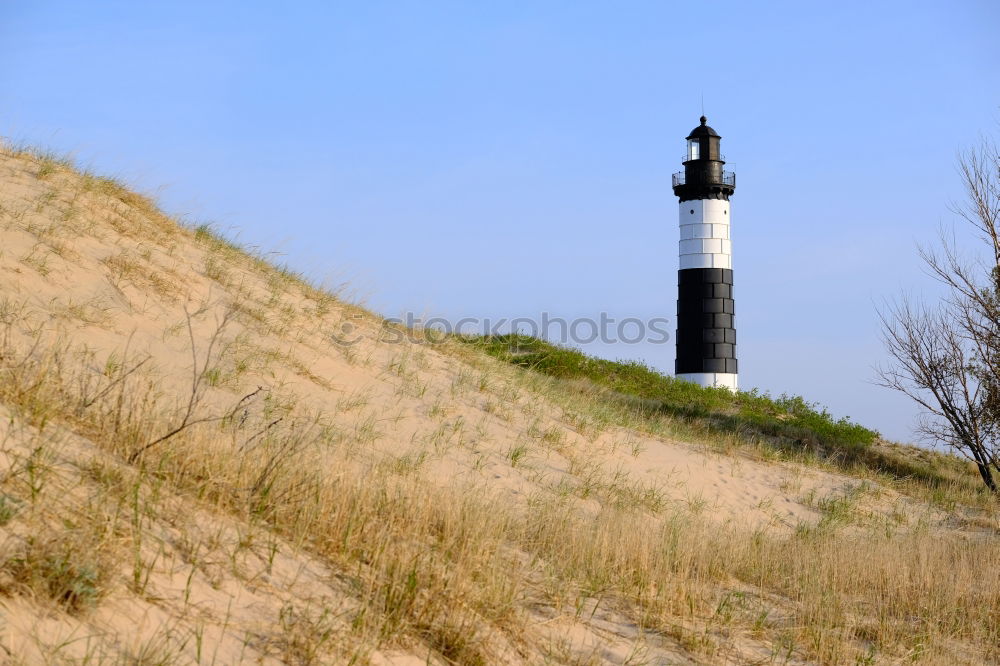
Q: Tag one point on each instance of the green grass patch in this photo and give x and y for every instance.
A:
(789, 421)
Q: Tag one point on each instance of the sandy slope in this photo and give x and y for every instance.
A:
(85, 296)
(111, 275)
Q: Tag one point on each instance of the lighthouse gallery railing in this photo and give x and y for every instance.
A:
(728, 178)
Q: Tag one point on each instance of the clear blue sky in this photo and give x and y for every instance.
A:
(505, 159)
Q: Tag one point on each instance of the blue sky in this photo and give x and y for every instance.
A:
(508, 159)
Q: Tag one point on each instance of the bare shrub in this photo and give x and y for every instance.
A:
(946, 357)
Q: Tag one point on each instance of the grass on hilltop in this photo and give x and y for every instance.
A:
(788, 420)
(790, 426)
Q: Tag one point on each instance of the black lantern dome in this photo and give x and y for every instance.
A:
(703, 176)
(702, 130)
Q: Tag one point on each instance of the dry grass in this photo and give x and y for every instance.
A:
(125, 483)
(451, 569)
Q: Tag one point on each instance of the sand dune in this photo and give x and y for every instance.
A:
(116, 294)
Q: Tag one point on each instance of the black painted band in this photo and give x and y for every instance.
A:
(706, 333)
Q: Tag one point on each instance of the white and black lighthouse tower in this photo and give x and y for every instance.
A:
(706, 332)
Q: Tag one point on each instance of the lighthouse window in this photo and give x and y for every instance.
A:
(694, 149)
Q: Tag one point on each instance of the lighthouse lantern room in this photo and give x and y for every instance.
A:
(706, 331)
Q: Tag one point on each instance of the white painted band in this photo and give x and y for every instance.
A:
(706, 246)
(704, 234)
(704, 231)
(719, 379)
(706, 261)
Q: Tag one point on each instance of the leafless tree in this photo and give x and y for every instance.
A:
(946, 357)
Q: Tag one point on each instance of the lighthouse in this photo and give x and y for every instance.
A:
(706, 331)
